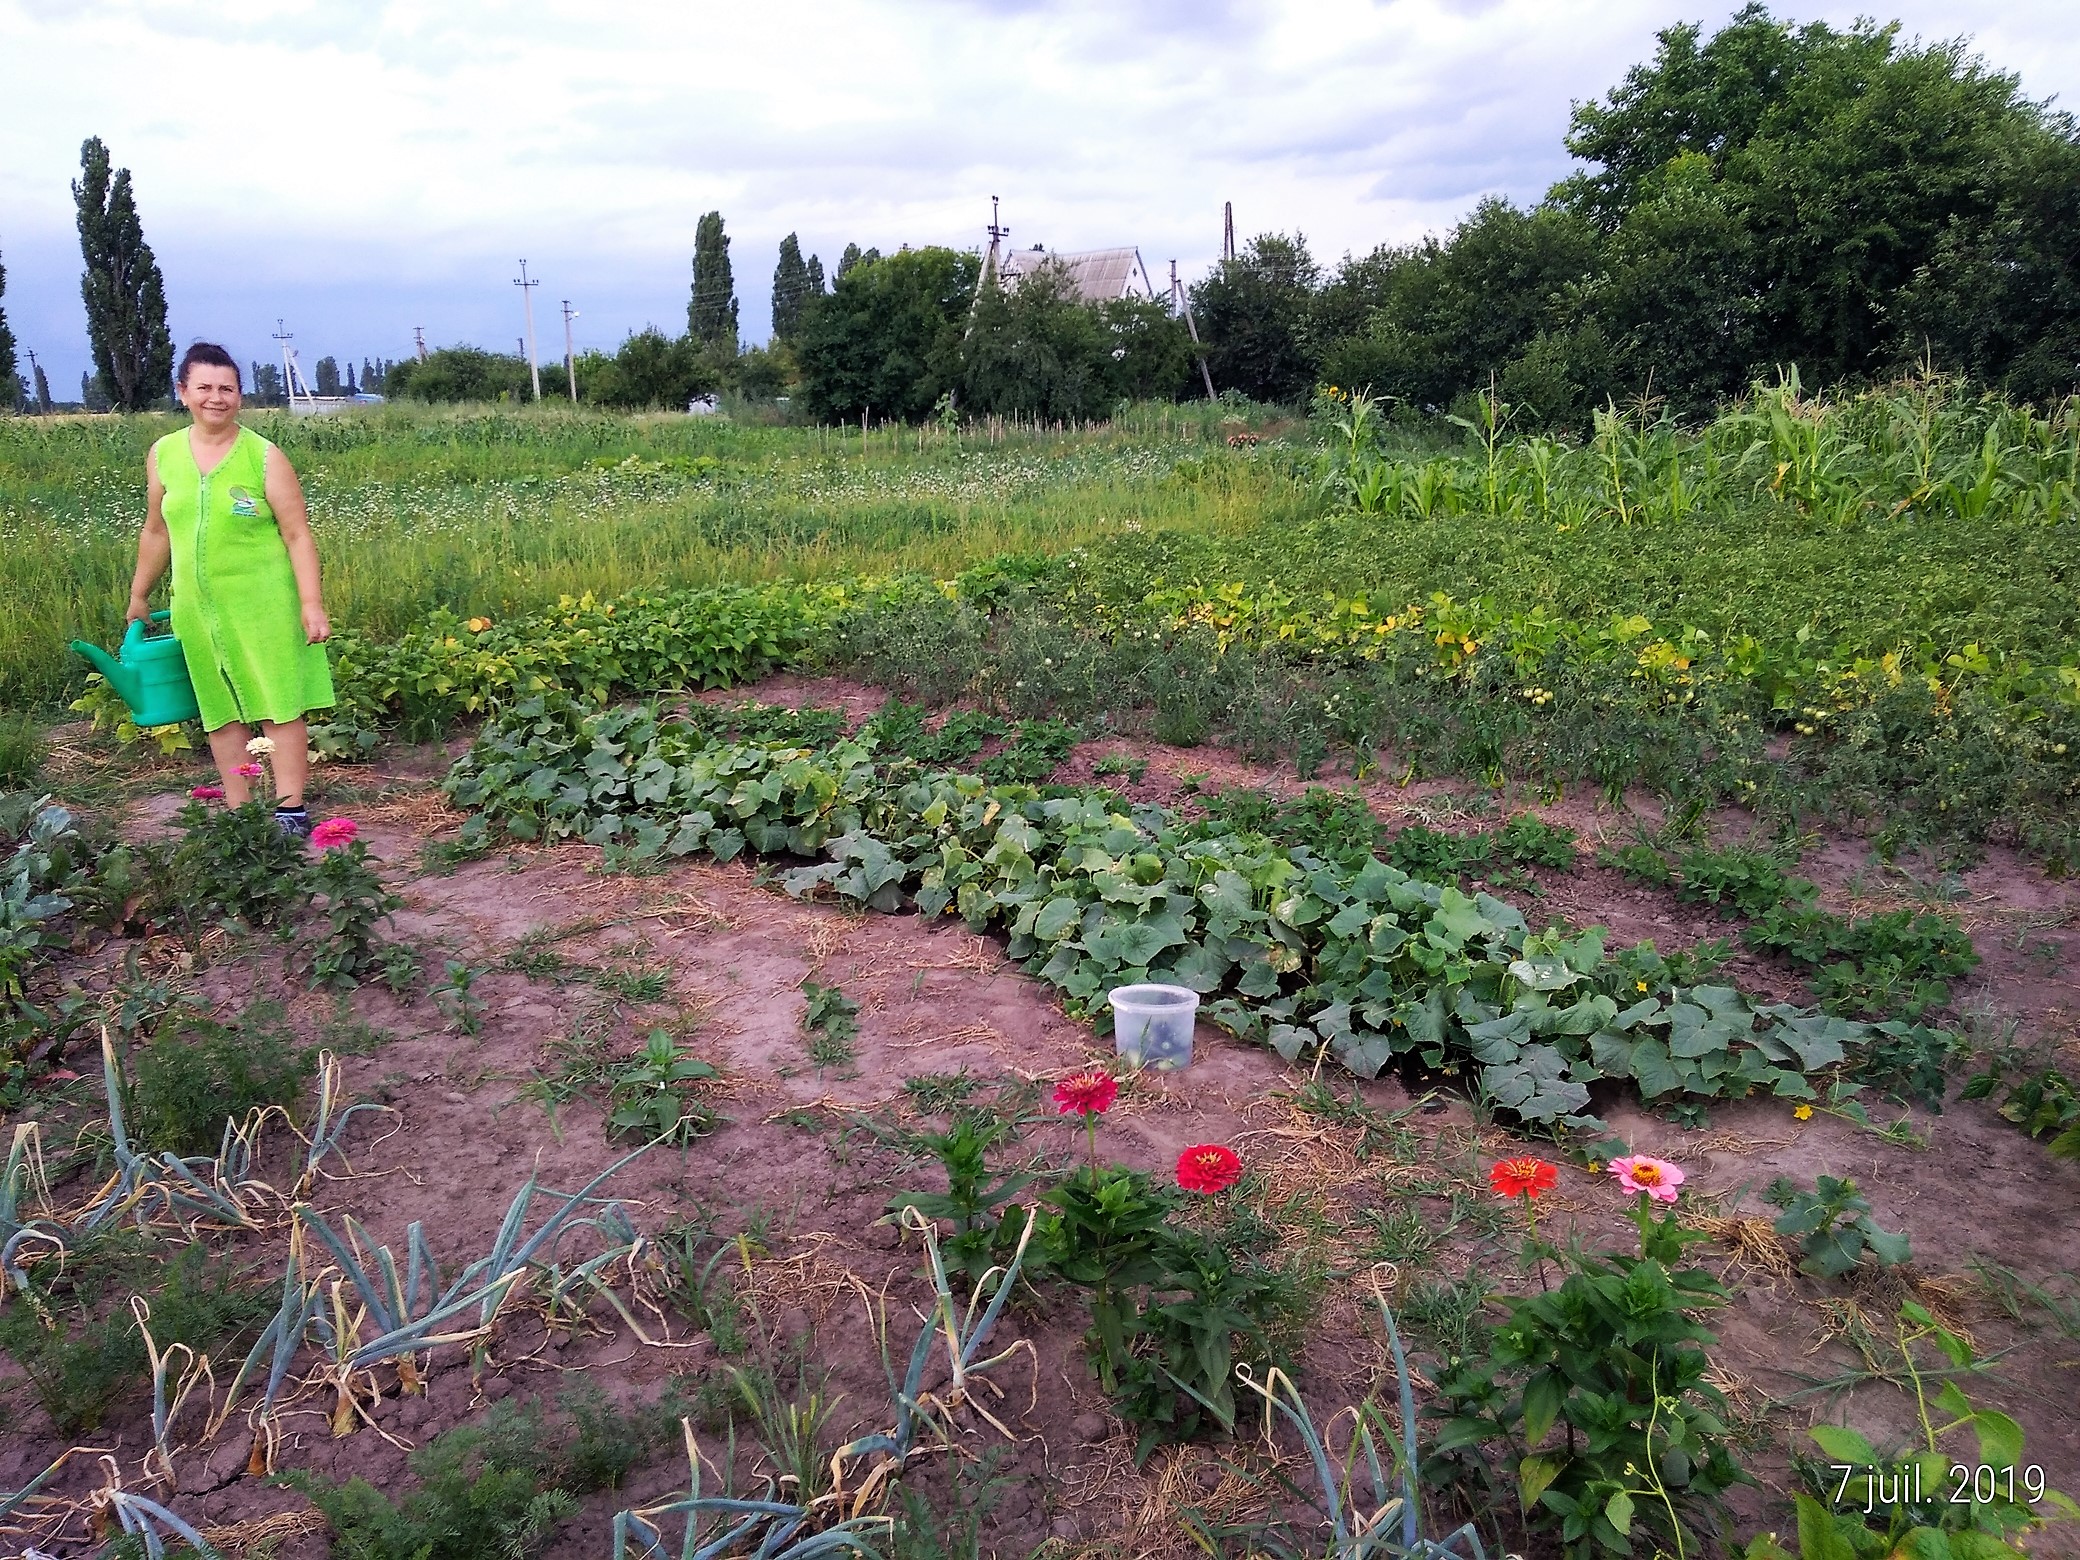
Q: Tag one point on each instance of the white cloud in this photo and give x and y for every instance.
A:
(364, 169)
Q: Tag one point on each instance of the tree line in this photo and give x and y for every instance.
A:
(1773, 195)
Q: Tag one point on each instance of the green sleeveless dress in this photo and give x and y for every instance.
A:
(235, 607)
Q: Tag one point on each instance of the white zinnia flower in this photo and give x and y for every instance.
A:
(260, 747)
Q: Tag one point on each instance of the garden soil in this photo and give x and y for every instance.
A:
(824, 1275)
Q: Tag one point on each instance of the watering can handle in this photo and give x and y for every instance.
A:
(134, 634)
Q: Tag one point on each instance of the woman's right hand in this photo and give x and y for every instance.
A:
(140, 610)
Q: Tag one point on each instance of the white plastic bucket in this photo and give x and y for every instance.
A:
(1152, 1025)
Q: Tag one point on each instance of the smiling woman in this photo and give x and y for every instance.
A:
(225, 510)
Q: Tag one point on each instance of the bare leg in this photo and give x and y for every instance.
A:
(227, 745)
(292, 760)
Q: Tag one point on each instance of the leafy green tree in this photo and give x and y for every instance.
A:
(9, 375)
(1252, 314)
(711, 313)
(1848, 189)
(887, 338)
(1452, 312)
(328, 376)
(1037, 350)
(120, 285)
(793, 286)
(761, 373)
(852, 256)
(815, 269)
(1031, 349)
(44, 403)
(462, 374)
(650, 369)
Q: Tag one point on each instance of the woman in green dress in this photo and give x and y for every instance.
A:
(226, 511)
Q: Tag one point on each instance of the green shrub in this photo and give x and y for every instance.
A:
(1739, 881)
(343, 951)
(195, 1074)
(1833, 1227)
(235, 864)
(1595, 1398)
(502, 1487)
(76, 1340)
(1897, 961)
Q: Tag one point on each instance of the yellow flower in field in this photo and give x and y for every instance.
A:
(1802, 1113)
(1596, 1167)
(477, 625)
(1642, 985)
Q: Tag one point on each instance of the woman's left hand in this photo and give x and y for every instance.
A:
(317, 627)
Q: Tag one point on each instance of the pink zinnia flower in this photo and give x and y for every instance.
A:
(206, 793)
(1656, 1177)
(334, 831)
(249, 771)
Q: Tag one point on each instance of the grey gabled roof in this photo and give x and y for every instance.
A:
(1098, 275)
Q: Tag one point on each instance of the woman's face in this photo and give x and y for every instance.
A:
(211, 394)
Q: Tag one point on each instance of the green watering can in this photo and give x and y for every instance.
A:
(151, 675)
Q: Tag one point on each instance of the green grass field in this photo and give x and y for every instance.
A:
(1887, 579)
(496, 512)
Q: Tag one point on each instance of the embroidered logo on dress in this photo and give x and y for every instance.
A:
(243, 503)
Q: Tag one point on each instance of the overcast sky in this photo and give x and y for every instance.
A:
(361, 169)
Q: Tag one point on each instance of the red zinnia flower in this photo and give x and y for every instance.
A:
(1525, 1177)
(1087, 1093)
(206, 793)
(1208, 1168)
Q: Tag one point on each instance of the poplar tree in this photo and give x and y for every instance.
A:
(9, 378)
(711, 314)
(790, 289)
(44, 403)
(815, 276)
(121, 286)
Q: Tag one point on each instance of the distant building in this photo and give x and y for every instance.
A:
(1098, 275)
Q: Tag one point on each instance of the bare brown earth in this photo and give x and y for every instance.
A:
(935, 1000)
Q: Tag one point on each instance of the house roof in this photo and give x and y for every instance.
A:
(1096, 274)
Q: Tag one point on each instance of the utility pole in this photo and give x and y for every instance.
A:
(419, 340)
(1181, 302)
(292, 376)
(43, 400)
(570, 358)
(527, 294)
(997, 234)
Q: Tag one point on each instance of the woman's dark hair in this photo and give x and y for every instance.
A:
(212, 354)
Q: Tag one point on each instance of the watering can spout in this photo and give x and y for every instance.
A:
(122, 680)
